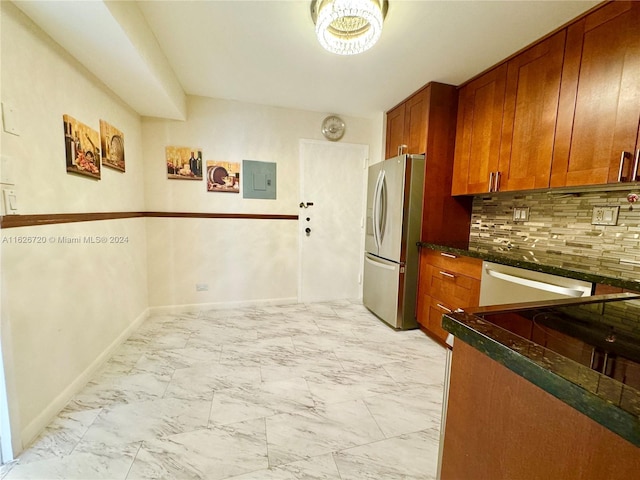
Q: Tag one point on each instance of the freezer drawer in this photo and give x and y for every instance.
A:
(382, 280)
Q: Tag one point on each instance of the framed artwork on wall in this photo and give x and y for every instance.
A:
(223, 176)
(184, 163)
(112, 144)
(81, 148)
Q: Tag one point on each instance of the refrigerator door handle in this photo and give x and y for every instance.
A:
(379, 264)
(377, 200)
(382, 210)
(375, 212)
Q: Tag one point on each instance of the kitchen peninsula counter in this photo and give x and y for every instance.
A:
(520, 259)
(518, 410)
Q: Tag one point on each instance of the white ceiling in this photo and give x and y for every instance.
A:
(265, 51)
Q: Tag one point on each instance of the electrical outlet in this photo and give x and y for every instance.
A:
(605, 215)
(202, 287)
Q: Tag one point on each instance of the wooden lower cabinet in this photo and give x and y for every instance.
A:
(430, 316)
(447, 282)
(601, 289)
(501, 426)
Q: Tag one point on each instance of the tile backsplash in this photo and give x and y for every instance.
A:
(559, 230)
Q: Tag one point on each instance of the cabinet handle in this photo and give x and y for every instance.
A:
(496, 186)
(448, 255)
(623, 157)
(443, 308)
(634, 176)
(447, 274)
(490, 181)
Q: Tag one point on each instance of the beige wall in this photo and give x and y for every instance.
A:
(64, 306)
(240, 260)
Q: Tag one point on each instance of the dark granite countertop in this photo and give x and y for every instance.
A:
(603, 399)
(519, 259)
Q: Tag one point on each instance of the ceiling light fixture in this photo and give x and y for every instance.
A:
(348, 27)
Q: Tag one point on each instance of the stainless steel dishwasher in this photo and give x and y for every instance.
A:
(502, 284)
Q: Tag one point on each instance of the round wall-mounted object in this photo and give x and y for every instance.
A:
(333, 128)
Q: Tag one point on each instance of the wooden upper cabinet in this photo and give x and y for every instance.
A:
(479, 128)
(564, 112)
(599, 109)
(407, 125)
(416, 110)
(426, 123)
(395, 130)
(529, 119)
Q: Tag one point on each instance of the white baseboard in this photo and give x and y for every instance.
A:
(200, 307)
(38, 424)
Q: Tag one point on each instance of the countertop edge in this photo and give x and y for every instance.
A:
(534, 266)
(598, 409)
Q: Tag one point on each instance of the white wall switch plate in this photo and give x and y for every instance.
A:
(605, 215)
(10, 119)
(10, 198)
(6, 170)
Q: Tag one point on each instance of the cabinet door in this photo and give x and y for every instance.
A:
(415, 122)
(395, 130)
(468, 266)
(530, 111)
(453, 289)
(435, 310)
(430, 313)
(480, 105)
(600, 98)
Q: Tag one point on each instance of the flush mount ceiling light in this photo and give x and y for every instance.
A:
(348, 27)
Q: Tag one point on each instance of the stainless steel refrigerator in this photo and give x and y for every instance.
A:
(394, 222)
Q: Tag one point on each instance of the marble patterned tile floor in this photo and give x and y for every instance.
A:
(302, 391)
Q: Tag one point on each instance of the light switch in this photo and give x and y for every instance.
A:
(10, 202)
(520, 214)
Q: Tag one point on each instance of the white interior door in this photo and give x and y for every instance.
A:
(332, 188)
